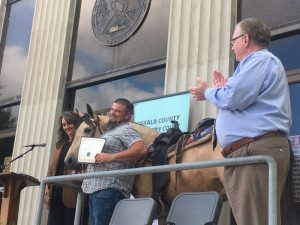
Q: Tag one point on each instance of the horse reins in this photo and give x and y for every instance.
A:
(93, 124)
(97, 124)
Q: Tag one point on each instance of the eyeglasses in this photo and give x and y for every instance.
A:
(234, 39)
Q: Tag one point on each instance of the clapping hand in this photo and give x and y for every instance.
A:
(219, 80)
(198, 91)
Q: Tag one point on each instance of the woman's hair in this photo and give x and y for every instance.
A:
(72, 118)
(257, 31)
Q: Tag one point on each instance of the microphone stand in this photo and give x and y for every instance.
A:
(19, 156)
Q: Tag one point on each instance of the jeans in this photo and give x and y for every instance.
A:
(102, 204)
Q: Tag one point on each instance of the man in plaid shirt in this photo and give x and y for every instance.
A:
(122, 148)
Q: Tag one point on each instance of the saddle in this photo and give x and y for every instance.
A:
(203, 132)
(158, 155)
(172, 142)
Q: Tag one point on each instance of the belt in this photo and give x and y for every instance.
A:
(244, 141)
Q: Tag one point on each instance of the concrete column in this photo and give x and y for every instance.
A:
(2, 14)
(42, 95)
(198, 44)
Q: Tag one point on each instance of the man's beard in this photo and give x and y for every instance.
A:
(112, 124)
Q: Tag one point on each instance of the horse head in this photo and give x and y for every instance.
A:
(91, 125)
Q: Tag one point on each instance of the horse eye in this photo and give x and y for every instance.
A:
(87, 130)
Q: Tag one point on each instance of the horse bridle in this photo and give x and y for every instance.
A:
(97, 124)
(93, 124)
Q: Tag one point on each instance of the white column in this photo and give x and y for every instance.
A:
(42, 95)
(2, 14)
(198, 44)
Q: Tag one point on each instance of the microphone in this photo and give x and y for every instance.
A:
(36, 145)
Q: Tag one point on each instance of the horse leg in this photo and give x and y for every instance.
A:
(142, 186)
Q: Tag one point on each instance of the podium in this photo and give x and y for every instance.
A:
(13, 183)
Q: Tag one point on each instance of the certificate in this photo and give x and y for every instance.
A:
(89, 147)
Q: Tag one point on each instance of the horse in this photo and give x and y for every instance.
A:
(196, 180)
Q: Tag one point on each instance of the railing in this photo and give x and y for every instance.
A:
(62, 180)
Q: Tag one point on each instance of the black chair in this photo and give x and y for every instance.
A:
(195, 208)
(138, 211)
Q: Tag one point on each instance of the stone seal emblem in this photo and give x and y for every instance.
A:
(114, 21)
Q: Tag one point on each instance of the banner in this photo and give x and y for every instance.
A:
(295, 141)
(159, 112)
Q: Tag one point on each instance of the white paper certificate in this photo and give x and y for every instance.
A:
(89, 147)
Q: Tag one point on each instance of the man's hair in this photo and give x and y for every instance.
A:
(258, 32)
(125, 102)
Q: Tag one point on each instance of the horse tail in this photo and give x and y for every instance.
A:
(287, 204)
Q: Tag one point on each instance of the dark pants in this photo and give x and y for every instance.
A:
(102, 204)
(60, 215)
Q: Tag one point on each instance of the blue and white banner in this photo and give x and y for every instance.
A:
(295, 142)
(159, 112)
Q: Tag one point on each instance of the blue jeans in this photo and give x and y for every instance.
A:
(102, 204)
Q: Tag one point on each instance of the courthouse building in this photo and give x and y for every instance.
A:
(61, 54)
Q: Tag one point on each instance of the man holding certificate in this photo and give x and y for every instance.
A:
(123, 147)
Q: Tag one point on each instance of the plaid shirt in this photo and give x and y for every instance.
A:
(118, 139)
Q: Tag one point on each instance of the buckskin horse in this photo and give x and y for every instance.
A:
(196, 180)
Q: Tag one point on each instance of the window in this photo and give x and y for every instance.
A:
(288, 50)
(273, 12)
(14, 48)
(142, 86)
(6, 146)
(149, 42)
(8, 117)
(295, 92)
(133, 69)
(13, 56)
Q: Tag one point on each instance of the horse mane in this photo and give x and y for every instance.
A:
(147, 134)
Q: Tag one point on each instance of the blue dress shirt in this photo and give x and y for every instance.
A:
(254, 101)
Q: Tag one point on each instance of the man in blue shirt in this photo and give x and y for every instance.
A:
(254, 118)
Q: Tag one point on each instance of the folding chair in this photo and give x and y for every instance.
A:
(138, 211)
(195, 208)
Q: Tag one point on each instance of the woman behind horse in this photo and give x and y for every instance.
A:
(61, 202)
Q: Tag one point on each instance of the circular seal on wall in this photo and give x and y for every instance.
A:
(114, 21)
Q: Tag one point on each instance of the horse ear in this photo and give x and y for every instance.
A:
(91, 113)
(95, 116)
(79, 114)
(89, 110)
